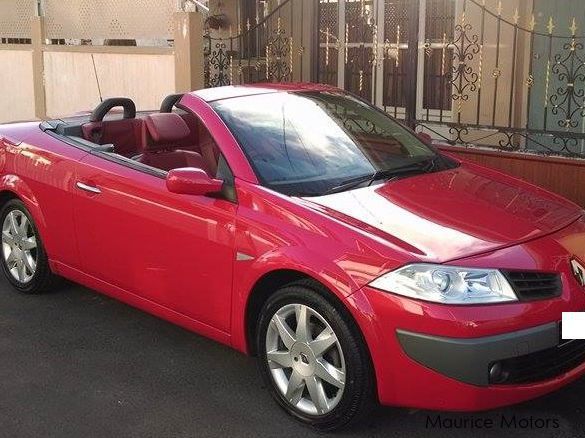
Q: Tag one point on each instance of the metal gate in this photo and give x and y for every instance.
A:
(480, 72)
(507, 75)
(267, 45)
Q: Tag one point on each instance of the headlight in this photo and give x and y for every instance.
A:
(446, 284)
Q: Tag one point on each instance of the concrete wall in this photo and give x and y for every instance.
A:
(16, 86)
(71, 84)
(40, 80)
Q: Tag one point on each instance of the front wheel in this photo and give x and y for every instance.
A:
(24, 261)
(313, 359)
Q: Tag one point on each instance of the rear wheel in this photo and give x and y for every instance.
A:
(313, 359)
(24, 261)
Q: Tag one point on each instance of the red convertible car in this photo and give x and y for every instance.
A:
(301, 225)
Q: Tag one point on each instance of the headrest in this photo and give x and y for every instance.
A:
(166, 128)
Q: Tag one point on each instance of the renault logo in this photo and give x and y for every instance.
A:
(578, 271)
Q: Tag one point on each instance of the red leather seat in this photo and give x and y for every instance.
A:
(165, 131)
(125, 134)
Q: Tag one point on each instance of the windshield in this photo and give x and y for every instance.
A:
(314, 143)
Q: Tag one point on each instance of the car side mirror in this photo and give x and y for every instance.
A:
(192, 181)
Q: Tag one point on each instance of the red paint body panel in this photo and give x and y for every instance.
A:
(176, 255)
(40, 171)
(142, 303)
(165, 247)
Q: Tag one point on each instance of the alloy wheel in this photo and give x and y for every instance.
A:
(305, 359)
(19, 246)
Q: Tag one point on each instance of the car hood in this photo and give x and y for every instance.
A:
(452, 214)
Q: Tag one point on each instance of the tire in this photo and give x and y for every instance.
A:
(298, 371)
(28, 269)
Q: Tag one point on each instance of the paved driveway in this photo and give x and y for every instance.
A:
(77, 364)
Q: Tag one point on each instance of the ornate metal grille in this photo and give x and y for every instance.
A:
(329, 41)
(438, 59)
(395, 33)
(267, 45)
(488, 73)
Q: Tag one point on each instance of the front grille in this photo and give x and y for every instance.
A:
(542, 365)
(530, 285)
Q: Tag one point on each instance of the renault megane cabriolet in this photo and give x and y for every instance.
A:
(301, 225)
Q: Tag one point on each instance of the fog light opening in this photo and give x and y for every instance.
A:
(497, 374)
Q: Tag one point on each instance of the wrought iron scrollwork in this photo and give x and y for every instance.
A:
(567, 145)
(568, 99)
(509, 139)
(463, 77)
(556, 75)
(278, 55)
(218, 65)
(457, 133)
(263, 49)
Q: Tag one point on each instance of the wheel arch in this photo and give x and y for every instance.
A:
(13, 187)
(276, 279)
(264, 287)
(7, 195)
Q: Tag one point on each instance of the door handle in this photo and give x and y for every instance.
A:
(86, 188)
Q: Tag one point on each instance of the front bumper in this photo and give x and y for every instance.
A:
(436, 357)
(527, 356)
(450, 350)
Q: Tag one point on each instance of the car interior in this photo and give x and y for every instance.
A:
(168, 139)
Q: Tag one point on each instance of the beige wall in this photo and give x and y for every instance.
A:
(71, 84)
(39, 80)
(16, 86)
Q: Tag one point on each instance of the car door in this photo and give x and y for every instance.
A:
(174, 250)
(42, 174)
